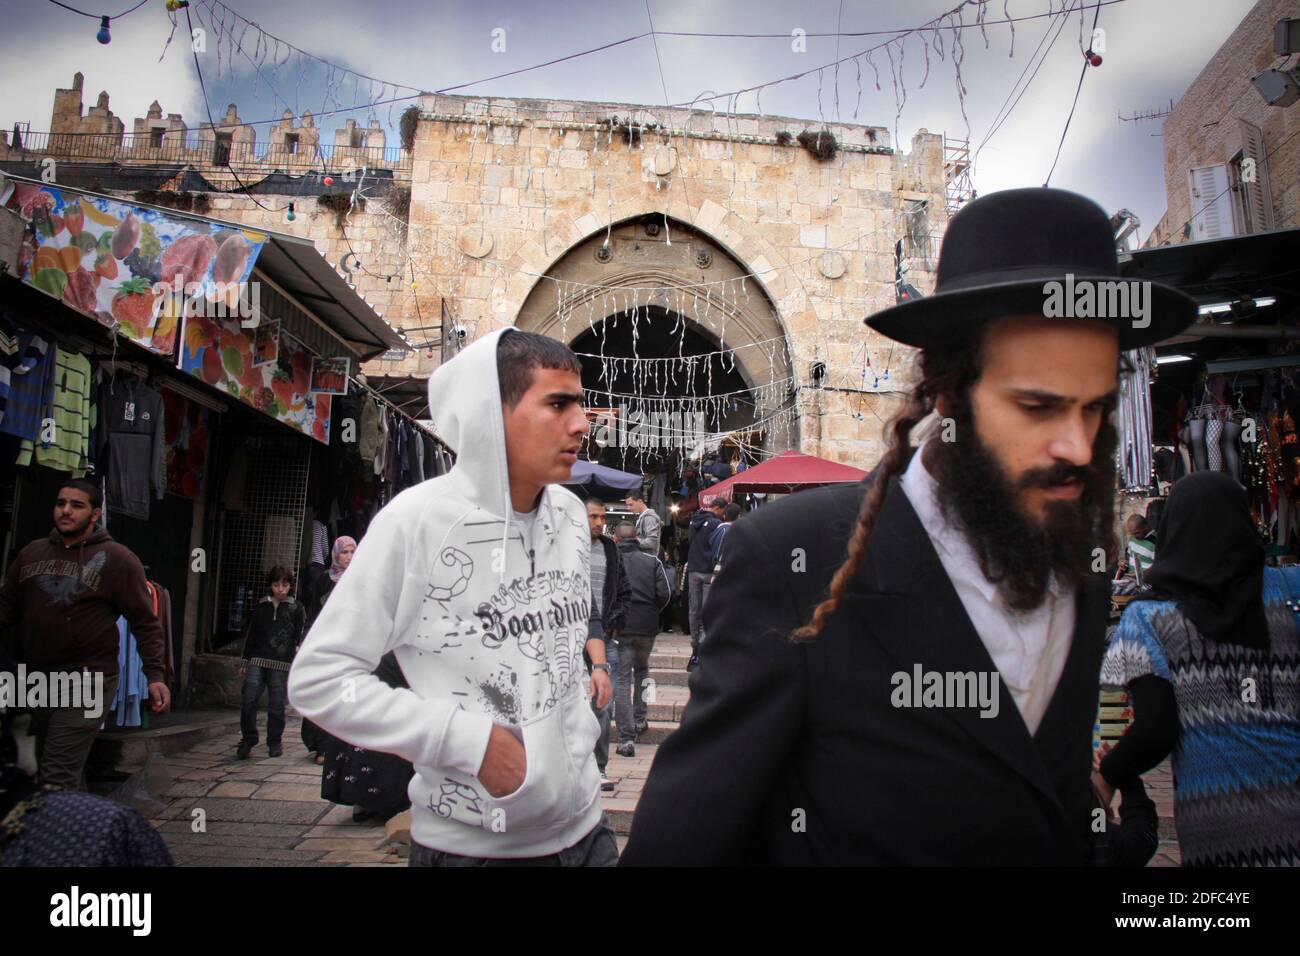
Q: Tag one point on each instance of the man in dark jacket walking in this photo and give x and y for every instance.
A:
(650, 592)
(61, 601)
(610, 594)
(906, 670)
(699, 567)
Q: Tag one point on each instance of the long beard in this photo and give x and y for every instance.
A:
(1016, 551)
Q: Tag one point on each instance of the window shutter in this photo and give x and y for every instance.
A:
(1258, 194)
(1211, 203)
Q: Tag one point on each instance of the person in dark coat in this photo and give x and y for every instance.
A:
(905, 670)
(313, 738)
(610, 593)
(699, 567)
(372, 783)
(649, 594)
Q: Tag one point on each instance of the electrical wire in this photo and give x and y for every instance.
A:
(99, 16)
(207, 105)
(1082, 73)
(1000, 117)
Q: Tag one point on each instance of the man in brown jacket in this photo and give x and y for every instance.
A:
(59, 607)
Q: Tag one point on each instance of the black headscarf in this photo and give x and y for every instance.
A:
(1210, 560)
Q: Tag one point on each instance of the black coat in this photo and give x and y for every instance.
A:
(791, 753)
(700, 556)
(617, 593)
(648, 586)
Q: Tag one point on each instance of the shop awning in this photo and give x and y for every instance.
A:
(788, 471)
(1215, 272)
(603, 482)
(410, 393)
(294, 264)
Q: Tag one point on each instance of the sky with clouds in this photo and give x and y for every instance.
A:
(1154, 50)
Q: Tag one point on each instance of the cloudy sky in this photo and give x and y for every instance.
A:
(1154, 49)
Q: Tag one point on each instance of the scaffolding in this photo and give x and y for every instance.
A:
(959, 189)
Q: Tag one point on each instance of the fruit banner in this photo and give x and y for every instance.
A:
(224, 354)
(110, 259)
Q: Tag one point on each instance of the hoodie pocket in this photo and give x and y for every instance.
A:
(547, 796)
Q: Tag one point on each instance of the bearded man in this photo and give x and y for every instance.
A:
(905, 671)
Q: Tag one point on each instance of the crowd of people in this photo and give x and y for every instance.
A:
(493, 633)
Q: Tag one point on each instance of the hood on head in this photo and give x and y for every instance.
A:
(465, 405)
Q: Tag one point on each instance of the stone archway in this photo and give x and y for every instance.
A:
(673, 270)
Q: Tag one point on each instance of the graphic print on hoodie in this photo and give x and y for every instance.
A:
(487, 615)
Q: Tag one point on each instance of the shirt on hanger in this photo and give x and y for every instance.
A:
(131, 418)
(69, 408)
(28, 391)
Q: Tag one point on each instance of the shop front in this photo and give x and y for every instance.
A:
(223, 416)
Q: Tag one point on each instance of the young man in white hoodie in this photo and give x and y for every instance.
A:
(479, 582)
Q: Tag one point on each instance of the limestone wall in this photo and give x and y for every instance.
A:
(1203, 128)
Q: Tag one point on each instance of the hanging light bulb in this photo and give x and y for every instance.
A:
(103, 35)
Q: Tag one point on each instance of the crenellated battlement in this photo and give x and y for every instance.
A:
(292, 145)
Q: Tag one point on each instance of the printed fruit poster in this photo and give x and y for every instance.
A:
(110, 259)
(224, 354)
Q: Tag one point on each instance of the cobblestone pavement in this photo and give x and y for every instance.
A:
(267, 811)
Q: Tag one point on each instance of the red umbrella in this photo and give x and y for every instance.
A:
(788, 471)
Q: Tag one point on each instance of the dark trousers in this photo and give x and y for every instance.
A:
(64, 736)
(697, 583)
(597, 848)
(276, 683)
(603, 714)
(630, 676)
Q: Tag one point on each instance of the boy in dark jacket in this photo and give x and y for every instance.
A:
(275, 630)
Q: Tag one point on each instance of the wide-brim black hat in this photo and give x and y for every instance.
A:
(1034, 251)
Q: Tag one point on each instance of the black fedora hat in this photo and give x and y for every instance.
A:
(1034, 251)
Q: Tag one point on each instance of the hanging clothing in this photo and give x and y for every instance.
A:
(28, 392)
(131, 445)
(371, 432)
(133, 686)
(1135, 419)
(320, 542)
(417, 455)
(68, 405)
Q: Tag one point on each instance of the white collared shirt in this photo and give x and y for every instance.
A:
(1029, 649)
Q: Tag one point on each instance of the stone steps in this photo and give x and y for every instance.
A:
(668, 670)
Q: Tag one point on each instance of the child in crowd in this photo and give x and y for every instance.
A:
(275, 629)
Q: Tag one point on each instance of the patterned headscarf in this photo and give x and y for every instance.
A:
(340, 543)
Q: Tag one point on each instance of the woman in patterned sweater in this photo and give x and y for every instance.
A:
(1209, 657)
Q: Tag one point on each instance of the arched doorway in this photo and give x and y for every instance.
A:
(676, 339)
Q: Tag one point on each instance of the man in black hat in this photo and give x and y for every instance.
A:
(905, 671)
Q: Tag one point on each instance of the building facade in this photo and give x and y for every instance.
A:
(640, 236)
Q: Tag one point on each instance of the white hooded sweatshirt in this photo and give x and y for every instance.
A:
(488, 619)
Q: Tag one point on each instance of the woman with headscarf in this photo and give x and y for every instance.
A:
(313, 738)
(372, 783)
(1209, 657)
